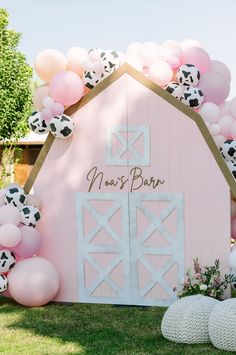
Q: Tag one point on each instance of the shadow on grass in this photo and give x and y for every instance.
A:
(102, 329)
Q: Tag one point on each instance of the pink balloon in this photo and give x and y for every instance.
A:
(78, 54)
(10, 235)
(46, 114)
(48, 102)
(66, 88)
(225, 123)
(232, 107)
(30, 242)
(214, 129)
(135, 62)
(33, 282)
(149, 52)
(224, 108)
(133, 49)
(233, 228)
(174, 62)
(39, 96)
(233, 130)
(48, 63)
(219, 140)
(57, 109)
(210, 112)
(198, 57)
(214, 87)
(221, 68)
(9, 215)
(161, 73)
(2, 195)
(34, 200)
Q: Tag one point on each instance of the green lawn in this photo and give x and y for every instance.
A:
(87, 329)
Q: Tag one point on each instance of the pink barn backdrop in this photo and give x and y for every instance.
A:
(133, 196)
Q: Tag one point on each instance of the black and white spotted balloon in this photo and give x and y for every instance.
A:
(174, 89)
(192, 97)
(110, 61)
(62, 126)
(188, 75)
(37, 124)
(7, 260)
(91, 78)
(30, 215)
(3, 283)
(228, 150)
(232, 167)
(15, 196)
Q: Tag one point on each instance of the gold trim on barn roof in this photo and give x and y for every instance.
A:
(126, 68)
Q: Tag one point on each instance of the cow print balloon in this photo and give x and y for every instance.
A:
(37, 124)
(228, 150)
(15, 196)
(62, 126)
(3, 283)
(30, 215)
(110, 60)
(232, 167)
(7, 260)
(91, 78)
(192, 97)
(174, 89)
(188, 75)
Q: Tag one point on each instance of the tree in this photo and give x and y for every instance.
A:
(15, 87)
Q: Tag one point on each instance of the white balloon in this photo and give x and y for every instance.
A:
(210, 112)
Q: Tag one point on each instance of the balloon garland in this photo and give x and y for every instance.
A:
(19, 239)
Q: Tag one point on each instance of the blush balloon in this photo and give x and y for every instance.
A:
(210, 112)
(33, 282)
(9, 215)
(48, 63)
(30, 242)
(198, 57)
(66, 88)
(161, 73)
(214, 87)
(39, 96)
(46, 114)
(221, 68)
(10, 235)
(225, 124)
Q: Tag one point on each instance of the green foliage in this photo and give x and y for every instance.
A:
(207, 282)
(15, 84)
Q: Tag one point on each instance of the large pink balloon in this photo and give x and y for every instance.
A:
(214, 86)
(221, 68)
(198, 57)
(33, 282)
(30, 242)
(10, 235)
(39, 96)
(48, 63)
(66, 88)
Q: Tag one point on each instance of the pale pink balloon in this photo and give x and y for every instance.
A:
(221, 68)
(34, 200)
(225, 123)
(48, 102)
(214, 87)
(176, 52)
(198, 57)
(233, 209)
(39, 96)
(79, 54)
(48, 63)
(134, 62)
(33, 282)
(46, 114)
(73, 65)
(149, 52)
(9, 215)
(188, 43)
(66, 88)
(214, 129)
(233, 130)
(57, 109)
(133, 49)
(2, 195)
(210, 112)
(30, 242)
(10, 235)
(232, 107)
(161, 73)
(174, 62)
(219, 140)
(233, 228)
(165, 54)
(224, 108)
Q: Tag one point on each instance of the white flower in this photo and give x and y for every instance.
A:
(203, 287)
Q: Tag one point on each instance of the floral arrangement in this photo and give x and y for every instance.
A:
(207, 282)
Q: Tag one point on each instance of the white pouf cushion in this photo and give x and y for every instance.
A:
(186, 321)
(222, 325)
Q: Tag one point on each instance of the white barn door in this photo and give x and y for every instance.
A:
(130, 247)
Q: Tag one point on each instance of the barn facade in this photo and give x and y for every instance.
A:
(136, 193)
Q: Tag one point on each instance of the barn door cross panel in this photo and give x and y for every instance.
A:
(152, 287)
(103, 266)
(139, 134)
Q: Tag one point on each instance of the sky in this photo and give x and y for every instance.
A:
(62, 24)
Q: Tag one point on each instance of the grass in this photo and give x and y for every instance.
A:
(87, 329)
